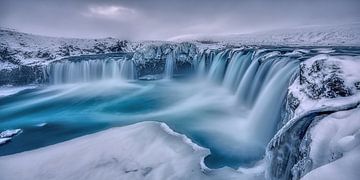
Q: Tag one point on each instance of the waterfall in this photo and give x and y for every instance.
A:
(169, 66)
(128, 70)
(201, 65)
(259, 83)
(218, 66)
(91, 70)
(237, 66)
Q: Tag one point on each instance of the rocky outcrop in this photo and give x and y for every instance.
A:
(22, 75)
(323, 78)
(150, 59)
(323, 83)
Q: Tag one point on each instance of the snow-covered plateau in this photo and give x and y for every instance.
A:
(275, 105)
(331, 35)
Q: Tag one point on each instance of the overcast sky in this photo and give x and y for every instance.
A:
(163, 19)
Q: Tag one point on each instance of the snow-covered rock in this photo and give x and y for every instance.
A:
(326, 84)
(27, 49)
(325, 80)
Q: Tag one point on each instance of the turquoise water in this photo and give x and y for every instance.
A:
(51, 114)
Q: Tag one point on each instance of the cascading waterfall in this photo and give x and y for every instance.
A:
(237, 67)
(169, 66)
(218, 66)
(201, 62)
(259, 82)
(91, 70)
(201, 66)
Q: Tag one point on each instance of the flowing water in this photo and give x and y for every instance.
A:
(232, 107)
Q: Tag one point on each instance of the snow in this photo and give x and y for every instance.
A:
(147, 150)
(7, 65)
(331, 35)
(29, 49)
(335, 147)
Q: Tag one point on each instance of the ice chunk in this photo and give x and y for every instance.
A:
(10, 133)
(4, 140)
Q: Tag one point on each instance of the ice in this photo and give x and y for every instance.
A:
(5, 136)
(4, 140)
(146, 150)
(10, 133)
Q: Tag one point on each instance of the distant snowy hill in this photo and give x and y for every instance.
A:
(344, 35)
(23, 49)
(15, 47)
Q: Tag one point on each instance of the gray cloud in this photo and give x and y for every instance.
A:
(162, 19)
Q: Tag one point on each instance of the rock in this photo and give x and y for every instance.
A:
(292, 101)
(357, 85)
(334, 87)
(323, 78)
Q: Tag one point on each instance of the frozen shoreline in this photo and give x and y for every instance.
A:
(146, 150)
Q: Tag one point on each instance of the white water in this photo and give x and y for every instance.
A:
(169, 66)
(259, 83)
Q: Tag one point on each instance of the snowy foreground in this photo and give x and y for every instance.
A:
(146, 150)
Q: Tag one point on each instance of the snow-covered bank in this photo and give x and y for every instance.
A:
(146, 150)
(335, 147)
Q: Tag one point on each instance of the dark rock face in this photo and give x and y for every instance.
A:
(119, 46)
(151, 59)
(7, 54)
(289, 156)
(22, 75)
(334, 86)
(323, 79)
(357, 85)
(292, 101)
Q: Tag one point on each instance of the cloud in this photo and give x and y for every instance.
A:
(163, 19)
(113, 12)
